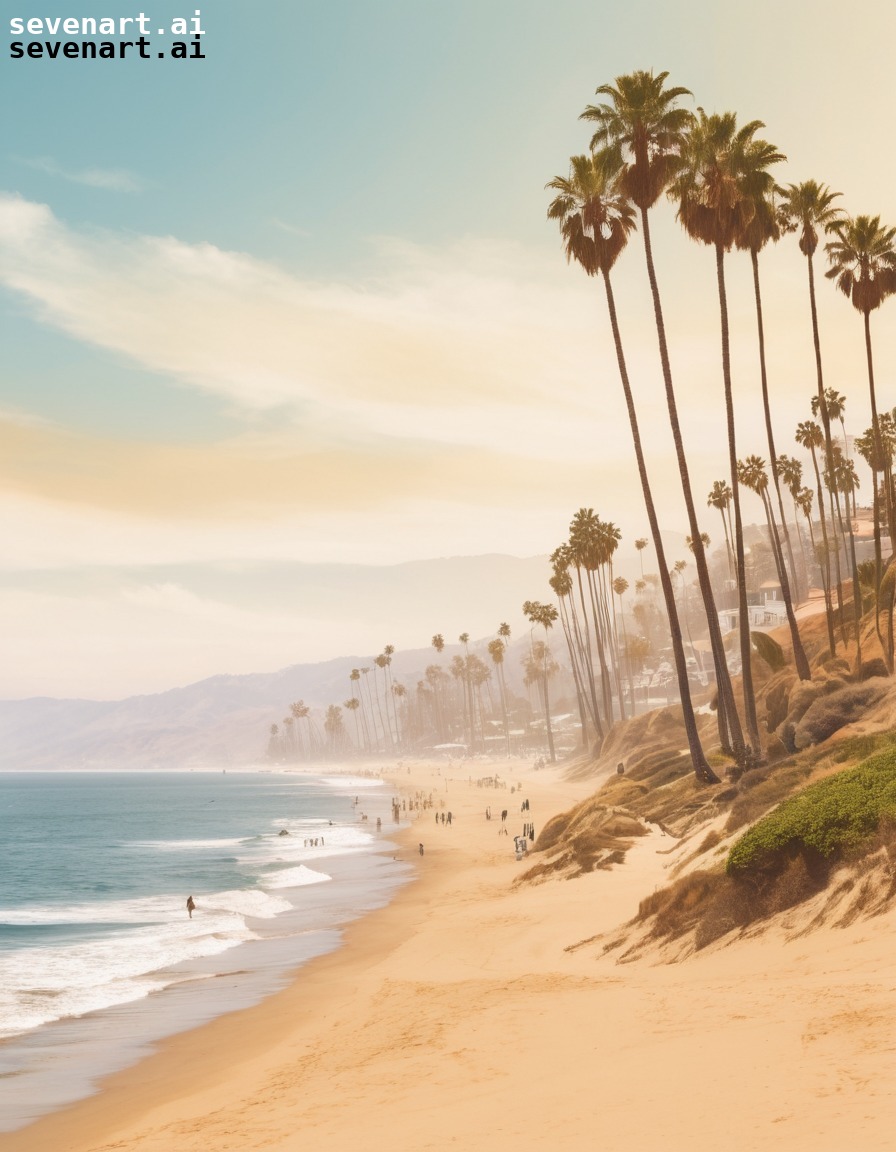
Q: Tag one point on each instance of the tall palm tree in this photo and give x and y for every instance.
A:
(496, 649)
(578, 638)
(790, 472)
(724, 171)
(620, 587)
(641, 130)
(595, 223)
(720, 499)
(808, 209)
(847, 481)
(839, 480)
(862, 256)
(803, 499)
(353, 704)
(301, 711)
(761, 226)
(546, 616)
(753, 475)
(810, 436)
(641, 544)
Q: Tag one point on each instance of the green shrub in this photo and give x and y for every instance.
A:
(821, 823)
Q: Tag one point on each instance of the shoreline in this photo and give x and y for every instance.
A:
(455, 1014)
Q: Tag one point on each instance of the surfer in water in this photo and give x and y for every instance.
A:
(191, 904)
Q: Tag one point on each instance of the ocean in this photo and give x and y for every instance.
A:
(98, 955)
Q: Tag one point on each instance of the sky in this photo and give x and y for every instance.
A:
(298, 304)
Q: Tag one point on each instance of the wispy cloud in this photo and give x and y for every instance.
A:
(109, 179)
(459, 329)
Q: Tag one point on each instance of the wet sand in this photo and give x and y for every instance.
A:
(455, 1017)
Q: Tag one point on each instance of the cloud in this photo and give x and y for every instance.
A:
(473, 325)
(109, 179)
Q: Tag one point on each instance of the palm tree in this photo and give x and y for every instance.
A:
(353, 705)
(839, 480)
(863, 265)
(720, 499)
(753, 475)
(301, 711)
(545, 615)
(334, 728)
(297, 712)
(620, 587)
(803, 499)
(595, 223)
(808, 209)
(641, 544)
(810, 436)
(724, 169)
(641, 130)
(847, 481)
(790, 471)
(496, 650)
(762, 226)
(399, 692)
(578, 644)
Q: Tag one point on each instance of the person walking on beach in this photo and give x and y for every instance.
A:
(421, 849)
(191, 904)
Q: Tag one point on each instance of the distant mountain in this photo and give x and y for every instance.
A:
(224, 721)
(219, 722)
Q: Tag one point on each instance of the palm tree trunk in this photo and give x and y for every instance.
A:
(723, 678)
(746, 646)
(576, 671)
(826, 566)
(586, 628)
(702, 769)
(547, 706)
(828, 450)
(773, 457)
(877, 457)
(799, 653)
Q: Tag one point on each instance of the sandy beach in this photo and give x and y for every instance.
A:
(456, 1017)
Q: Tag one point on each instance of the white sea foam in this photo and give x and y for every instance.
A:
(294, 877)
(93, 974)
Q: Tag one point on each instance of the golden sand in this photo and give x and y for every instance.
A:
(456, 1018)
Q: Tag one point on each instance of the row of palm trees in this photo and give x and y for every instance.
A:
(451, 704)
(645, 145)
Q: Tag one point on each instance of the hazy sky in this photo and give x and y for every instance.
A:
(298, 303)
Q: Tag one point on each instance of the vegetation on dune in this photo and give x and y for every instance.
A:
(822, 822)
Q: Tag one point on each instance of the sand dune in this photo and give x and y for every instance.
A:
(459, 1016)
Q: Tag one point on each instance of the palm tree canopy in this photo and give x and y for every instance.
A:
(835, 402)
(863, 260)
(642, 126)
(537, 613)
(791, 472)
(724, 174)
(595, 220)
(751, 473)
(808, 208)
(809, 434)
(720, 496)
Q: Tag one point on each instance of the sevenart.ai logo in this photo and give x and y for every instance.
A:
(106, 38)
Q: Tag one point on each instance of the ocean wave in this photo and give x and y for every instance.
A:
(294, 877)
